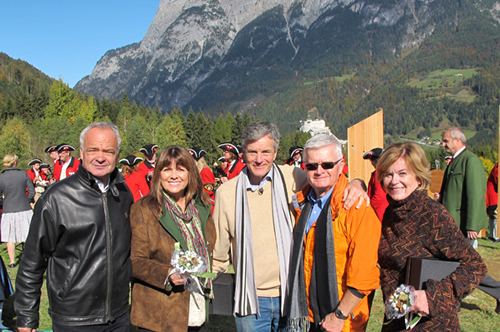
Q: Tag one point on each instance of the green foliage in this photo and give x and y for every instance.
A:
(170, 132)
(24, 89)
(14, 138)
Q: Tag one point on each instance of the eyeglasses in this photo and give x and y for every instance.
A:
(325, 165)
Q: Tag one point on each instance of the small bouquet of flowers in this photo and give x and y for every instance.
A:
(187, 261)
(191, 266)
(400, 304)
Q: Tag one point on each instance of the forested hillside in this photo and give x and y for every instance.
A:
(450, 78)
(355, 81)
(24, 90)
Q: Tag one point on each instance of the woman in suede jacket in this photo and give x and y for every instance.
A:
(177, 210)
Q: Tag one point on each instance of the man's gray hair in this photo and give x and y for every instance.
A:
(100, 125)
(255, 131)
(455, 133)
(322, 140)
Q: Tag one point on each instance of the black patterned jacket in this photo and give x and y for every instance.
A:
(421, 227)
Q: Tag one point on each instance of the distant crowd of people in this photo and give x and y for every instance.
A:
(309, 248)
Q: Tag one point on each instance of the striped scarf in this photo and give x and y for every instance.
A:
(194, 237)
(245, 294)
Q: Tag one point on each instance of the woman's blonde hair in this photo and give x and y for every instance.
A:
(415, 159)
(10, 160)
(126, 169)
(181, 157)
(201, 163)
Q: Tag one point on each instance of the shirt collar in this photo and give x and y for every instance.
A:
(268, 177)
(321, 201)
(102, 187)
(458, 152)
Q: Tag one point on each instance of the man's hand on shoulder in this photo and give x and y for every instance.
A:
(26, 329)
(355, 190)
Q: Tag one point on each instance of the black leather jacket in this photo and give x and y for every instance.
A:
(81, 236)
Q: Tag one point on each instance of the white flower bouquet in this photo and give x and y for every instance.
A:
(191, 266)
(400, 304)
(188, 261)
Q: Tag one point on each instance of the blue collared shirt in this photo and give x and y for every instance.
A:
(317, 207)
(268, 177)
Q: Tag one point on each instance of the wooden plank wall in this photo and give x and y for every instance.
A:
(362, 137)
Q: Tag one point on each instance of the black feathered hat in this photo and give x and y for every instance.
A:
(229, 147)
(373, 153)
(294, 150)
(131, 160)
(51, 148)
(65, 147)
(34, 161)
(197, 153)
(149, 149)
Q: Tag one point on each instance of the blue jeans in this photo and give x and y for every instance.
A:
(268, 320)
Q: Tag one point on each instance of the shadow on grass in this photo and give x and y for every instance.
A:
(489, 246)
(469, 306)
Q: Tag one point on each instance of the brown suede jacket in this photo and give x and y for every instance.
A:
(154, 305)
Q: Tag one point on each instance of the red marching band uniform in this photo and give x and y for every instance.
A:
(73, 163)
(34, 171)
(378, 197)
(236, 165)
(135, 180)
(235, 169)
(206, 174)
(149, 152)
(295, 157)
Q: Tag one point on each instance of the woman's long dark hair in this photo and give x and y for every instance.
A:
(194, 188)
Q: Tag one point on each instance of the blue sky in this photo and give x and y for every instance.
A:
(67, 38)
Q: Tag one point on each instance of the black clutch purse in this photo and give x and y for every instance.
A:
(419, 270)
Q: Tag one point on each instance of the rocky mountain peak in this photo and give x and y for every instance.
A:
(196, 47)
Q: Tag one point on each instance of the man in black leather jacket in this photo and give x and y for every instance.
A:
(80, 234)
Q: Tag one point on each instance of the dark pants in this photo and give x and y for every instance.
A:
(313, 328)
(121, 324)
(190, 329)
(490, 286)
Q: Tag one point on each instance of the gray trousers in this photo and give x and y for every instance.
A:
(492, 227)
(490, 286)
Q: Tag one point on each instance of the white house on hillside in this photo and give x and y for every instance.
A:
(315, 127)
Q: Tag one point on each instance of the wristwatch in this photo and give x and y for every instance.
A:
(340, 315)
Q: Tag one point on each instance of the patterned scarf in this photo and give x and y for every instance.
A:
(194, 237)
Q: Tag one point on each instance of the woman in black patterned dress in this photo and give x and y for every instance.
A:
(414, 225)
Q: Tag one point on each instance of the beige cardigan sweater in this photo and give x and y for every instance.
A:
(266, 263)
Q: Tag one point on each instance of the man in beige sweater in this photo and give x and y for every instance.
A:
(253, 217)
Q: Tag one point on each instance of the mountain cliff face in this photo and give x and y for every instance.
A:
(195, 52)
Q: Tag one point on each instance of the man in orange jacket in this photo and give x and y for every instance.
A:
(334, 257)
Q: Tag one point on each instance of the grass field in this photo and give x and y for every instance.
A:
(442, 78)
(476, 314)
(342, 78)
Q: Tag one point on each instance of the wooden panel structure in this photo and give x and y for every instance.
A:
(362, 137)
(437, 180)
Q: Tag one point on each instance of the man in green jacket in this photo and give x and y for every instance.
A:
(463, 194)
(464, 186)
